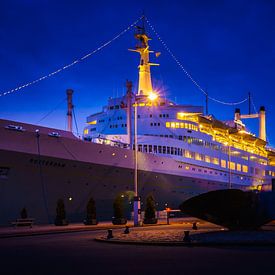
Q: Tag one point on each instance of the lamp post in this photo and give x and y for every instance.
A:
(137, 211)
(136, 198)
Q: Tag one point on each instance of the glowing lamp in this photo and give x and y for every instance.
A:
(152, 96)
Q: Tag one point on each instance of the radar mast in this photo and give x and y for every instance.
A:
(145, 83)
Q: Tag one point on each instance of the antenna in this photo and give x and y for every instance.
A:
(70, 109)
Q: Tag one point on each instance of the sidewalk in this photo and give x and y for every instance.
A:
(10, 231)
(7, 232)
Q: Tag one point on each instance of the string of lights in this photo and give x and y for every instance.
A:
(187, 73)
(76, 61)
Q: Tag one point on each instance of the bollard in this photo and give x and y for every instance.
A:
(194, 226)
(110, 234)
(186, 237)
(126, 231)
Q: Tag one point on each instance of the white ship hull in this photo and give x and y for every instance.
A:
(65, 167)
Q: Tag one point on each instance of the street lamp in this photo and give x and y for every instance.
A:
(137, 211)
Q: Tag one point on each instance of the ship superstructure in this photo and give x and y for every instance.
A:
(181, 152)
(183, 133)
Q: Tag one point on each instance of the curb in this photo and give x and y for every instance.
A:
(62, 231)
(40, 233)
(191, 244)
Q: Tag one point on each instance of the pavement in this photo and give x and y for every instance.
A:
(174, 234)
(21, 231)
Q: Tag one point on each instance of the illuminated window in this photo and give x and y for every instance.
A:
(215, 161)
(198, 156)
(173, 124)
(168, 125)
(177, 125)
(245, 168)
(187, 167)
(187, 154)
(223, 163)
(86, 131)
(239, 168)
(231, 165)
(92, 122)
(207, 159)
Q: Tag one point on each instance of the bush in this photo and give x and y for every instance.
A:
(119, 217)
(60, 213)
(91, 213)
(150, 211)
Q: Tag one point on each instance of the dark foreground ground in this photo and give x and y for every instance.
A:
(78, 253)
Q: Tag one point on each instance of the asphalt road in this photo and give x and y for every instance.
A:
(78, 253)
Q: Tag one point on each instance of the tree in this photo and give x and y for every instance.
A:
(60, 213)
(119, 217)
(150, 211)
(91, 213)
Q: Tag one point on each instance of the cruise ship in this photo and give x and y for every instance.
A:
(173, 151)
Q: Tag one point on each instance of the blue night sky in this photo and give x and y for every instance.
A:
(227, 46)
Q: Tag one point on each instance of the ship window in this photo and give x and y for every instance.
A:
(159, 149)
(231, 165)
(172, 150)
(151, 123)
(160, 115)
(223, 163)
(168, 124)
(158, 124)
(155, 149)
(239, 168)
(187, 154)
(150, 148)
(198, 156)
(164, 149)
(215, 161)
(207, 159)
(150, 115)
(187, 167)
(168, 150)
(139, 147)
(93, 129)
(145, 148)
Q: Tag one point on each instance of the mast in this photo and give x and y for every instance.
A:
(70, 109)
(145, 83)
(129, 96)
